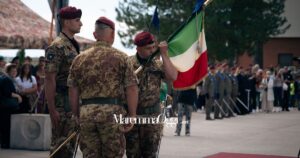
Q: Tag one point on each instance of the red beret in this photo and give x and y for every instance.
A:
(106, 21)
(70, 13)
(143, 38)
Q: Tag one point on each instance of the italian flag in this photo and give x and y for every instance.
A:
(188, 52)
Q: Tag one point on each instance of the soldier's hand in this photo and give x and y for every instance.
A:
(76, 121)
(163, 47)
(55, 118)
(126, 128)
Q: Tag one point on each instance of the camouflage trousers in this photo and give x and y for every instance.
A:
(60, 134)
(143, 141)
(100, 133)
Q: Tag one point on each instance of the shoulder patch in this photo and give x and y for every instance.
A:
(50, 55)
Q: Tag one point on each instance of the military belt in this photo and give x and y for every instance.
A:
(101, 100)
(155, 109)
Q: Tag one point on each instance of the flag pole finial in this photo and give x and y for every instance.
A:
(207, 2)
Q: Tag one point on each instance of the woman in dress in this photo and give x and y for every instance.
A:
(267, 94)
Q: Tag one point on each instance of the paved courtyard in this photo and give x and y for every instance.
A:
(258, 133)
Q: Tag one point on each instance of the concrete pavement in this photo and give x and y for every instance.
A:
(258, 133)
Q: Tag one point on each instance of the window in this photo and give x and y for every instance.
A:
(285, 59)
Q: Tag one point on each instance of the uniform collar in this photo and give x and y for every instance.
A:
(63, 36)
(73, 42)
(102, 43)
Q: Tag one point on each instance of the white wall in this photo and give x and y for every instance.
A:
(292, 13)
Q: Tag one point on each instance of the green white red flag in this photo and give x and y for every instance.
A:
(188, 52)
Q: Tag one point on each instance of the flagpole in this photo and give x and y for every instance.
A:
(206, 3)
(140, 68)
(52, 19)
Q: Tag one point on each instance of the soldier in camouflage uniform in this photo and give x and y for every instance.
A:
(143, 139)
(60, 55)
(101, 77)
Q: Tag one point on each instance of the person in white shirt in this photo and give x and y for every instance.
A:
(28, 88)
(267, 94)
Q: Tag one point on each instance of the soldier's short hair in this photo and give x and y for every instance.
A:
(106, 21)
(101, 26)
(61, 22)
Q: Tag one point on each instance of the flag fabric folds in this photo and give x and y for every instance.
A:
(188, 51)
(154, 25)
(155, 20)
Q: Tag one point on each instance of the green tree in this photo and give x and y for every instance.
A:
(232, 26)
(137, 14)
(21, 54)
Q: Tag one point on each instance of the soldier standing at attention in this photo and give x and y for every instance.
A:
(220, 92)
(60, 55)
(235, 86)
(210, 89)
(101, 77)
(143, 140)
(228, 91)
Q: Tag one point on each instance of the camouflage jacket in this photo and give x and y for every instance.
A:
(149, 80)
(101, 71)
(60, 55)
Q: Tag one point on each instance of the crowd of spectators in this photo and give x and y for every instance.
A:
(21, 91)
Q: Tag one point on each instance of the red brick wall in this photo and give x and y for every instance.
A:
(275, 46)
(245, 60)
(271, 51)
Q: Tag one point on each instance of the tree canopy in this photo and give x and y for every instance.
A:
(232, 27)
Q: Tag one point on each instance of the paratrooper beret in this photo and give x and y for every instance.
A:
(106, 21)
(70, 13)
(143, 38)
